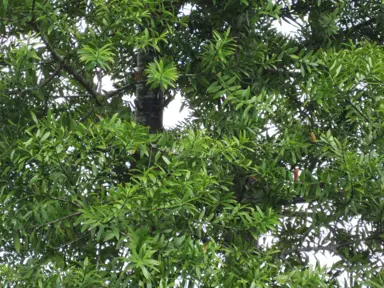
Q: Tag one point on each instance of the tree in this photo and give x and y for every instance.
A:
(286, 141)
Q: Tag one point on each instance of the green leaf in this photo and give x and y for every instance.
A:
(166, 160)
(16, 241)
(34, 117)
(161, 74)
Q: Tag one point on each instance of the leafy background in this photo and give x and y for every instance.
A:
(285, 140)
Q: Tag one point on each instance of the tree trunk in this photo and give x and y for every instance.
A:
(149, 102)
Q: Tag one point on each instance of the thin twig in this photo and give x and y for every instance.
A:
(44, 83)
(331, 248)
(33, 11)
(57, 220)
(50, 78)
(74, 241)
(354, 107)
(358, 110)
(8, 19)
(86, 115)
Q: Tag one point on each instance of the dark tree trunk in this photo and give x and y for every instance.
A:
(149, 102)
(149, 112)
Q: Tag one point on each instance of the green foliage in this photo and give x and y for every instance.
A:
(161, 75)
(282, 159)
(218, 51)
(93, 57)
(301, 279)
(131, 223)
(377, 281)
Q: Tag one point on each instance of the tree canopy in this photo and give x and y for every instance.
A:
(281, 159)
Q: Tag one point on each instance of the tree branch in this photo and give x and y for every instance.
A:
(86, 115)
(119, 90)
(39, 86)
(168, 100)
(67, 67)
(358, 111)
(330, 248)
(72, 242)
(57, 220)
(355, 108)
(33, 11)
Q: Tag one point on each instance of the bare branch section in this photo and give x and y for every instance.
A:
(119, 90)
